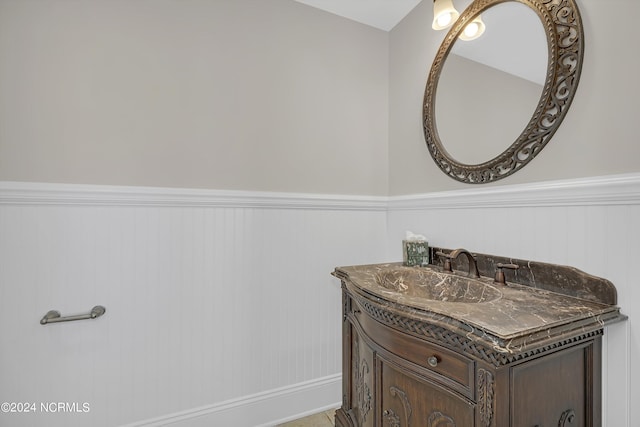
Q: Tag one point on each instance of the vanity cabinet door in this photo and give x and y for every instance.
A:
(558, 389)
(362, 372)
(411, 401)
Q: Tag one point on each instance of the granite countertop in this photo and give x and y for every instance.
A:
(508, 318)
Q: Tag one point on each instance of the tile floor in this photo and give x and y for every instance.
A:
(323, 419)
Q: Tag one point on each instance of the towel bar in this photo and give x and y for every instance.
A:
(53, 316)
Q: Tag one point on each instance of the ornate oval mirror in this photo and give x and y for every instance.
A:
(490, 131)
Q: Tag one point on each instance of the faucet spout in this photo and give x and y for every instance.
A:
(473, 266)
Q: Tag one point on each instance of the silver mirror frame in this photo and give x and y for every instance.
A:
(565, 40)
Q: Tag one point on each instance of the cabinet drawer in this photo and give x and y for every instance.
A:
(450, 368)
(406, 400)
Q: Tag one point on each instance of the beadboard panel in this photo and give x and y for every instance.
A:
(220, 304)
(207, 303)
(589, 224)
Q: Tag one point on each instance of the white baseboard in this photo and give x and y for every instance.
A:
(265, 409)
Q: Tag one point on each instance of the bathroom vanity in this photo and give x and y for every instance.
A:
(518, 346)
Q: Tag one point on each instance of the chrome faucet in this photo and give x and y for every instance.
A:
(473, 266)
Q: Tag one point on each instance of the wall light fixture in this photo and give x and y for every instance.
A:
(473, 30)
(445, 15)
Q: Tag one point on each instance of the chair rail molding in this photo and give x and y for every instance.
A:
(601, 190)
(28, 193)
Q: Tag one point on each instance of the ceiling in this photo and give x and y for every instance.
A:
(514, 41)
(382, 14)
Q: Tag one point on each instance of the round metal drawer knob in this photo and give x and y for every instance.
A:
(432, 361)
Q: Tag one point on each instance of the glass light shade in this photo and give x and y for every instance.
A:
(444, 14)
(473, 30)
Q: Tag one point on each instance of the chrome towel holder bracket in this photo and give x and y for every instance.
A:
(53, 316)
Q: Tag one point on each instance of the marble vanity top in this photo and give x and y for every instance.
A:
(508, 318)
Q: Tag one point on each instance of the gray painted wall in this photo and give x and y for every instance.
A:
(597, 137)
(226, 94)
(267, 96)
(478, 108)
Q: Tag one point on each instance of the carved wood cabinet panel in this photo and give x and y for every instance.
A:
(408, 400)
(555, 390)
(362, 381)
(396, 374)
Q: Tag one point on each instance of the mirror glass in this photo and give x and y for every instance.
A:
(489, 87)
(493, 103)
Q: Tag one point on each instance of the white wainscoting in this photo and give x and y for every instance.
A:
(220, 305)
(592, 224)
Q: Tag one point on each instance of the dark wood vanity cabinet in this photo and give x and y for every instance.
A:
(403, 372)
(408, 399)
(561, 389)
(361, 373)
